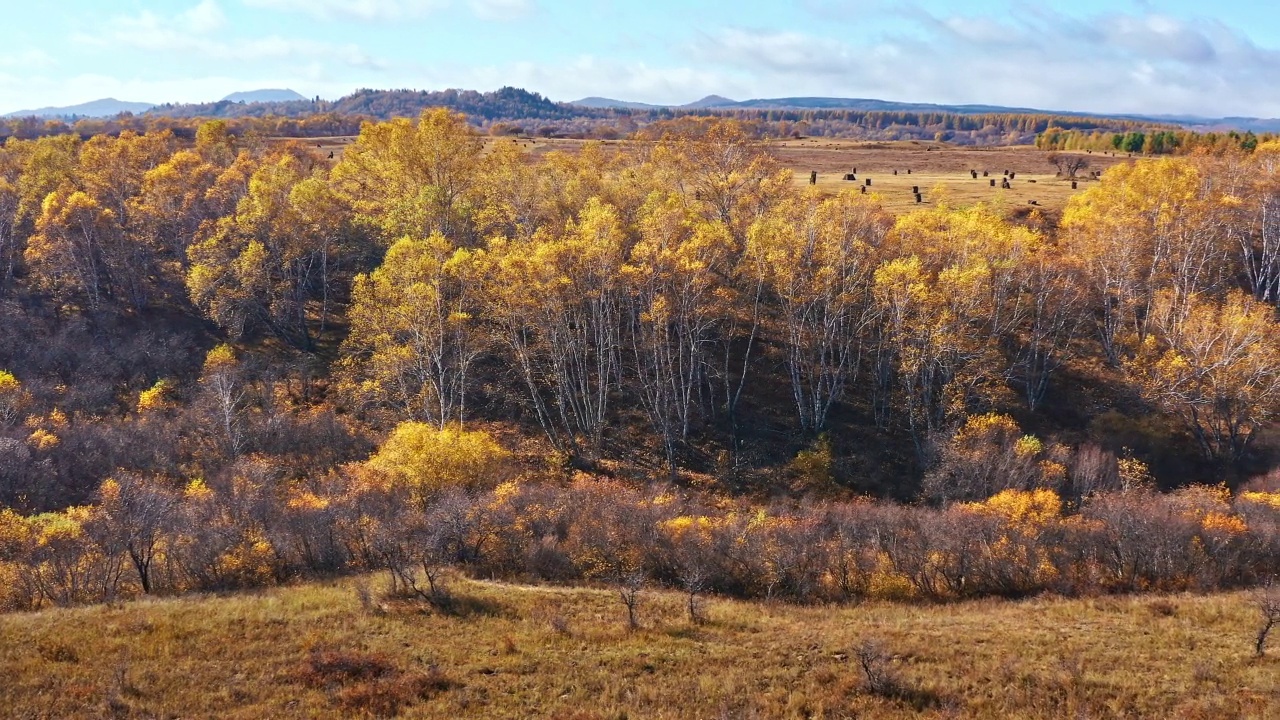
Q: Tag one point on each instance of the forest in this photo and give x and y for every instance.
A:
(228, 362)
(510, 111)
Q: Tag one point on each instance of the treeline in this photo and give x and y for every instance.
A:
(1160, 142)
(143, 537)
(239, 323)
(184, 129)
(507, 103)
(688, 293)
(514, 110)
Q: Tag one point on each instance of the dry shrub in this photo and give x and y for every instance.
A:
(1267, 600)
(370, 683)
(58, 652)
(877, 669)
(387, 697)
(327, 668)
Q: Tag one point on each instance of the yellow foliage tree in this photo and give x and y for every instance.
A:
(413, 330)
(414, 179)
(988, 454)
(426, 460)
(817, 258)
(12, 398)
(556, 302)
(1148, 226)
(1214, 365)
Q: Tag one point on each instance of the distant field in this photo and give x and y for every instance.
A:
(935, 167)
(532, 652)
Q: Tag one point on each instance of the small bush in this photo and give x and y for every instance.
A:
(364, 683)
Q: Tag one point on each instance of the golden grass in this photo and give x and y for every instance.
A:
(515, 651)
(895, 191)
(935, 168)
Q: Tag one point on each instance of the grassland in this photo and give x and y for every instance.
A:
(328, 650)
(937, 169)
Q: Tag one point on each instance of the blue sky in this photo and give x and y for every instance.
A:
(1178, 57)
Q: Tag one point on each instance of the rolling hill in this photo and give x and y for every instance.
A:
(106, 107)
(268, 95)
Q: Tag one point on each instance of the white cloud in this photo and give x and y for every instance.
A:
(194, 32)
(501, 10)
(367, 10)
(392, 10)
(576, 78)
(778, 52)
(204, 18)
(27, 59)
(1135, 63)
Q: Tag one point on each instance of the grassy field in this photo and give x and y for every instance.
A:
(328, 650)
(936, 169)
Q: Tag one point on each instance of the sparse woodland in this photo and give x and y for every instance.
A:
(228, 363)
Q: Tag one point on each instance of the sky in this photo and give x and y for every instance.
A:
(1133, 56)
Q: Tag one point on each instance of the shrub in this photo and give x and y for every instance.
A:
(427, 459)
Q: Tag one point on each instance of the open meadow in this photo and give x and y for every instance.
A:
(334, 649)
(897, 170)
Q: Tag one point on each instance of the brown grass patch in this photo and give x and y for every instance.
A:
(311, 650)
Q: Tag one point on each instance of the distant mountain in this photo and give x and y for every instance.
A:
(716, 102)
(106, 107)
(507, 103)
(603, 103)
(710, 101)
(253, 96)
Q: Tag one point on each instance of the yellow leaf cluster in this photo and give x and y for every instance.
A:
(155, 397)
(42, 439)
(426, 459)
(1030, 507)
(1270, 499)
(9, 384)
